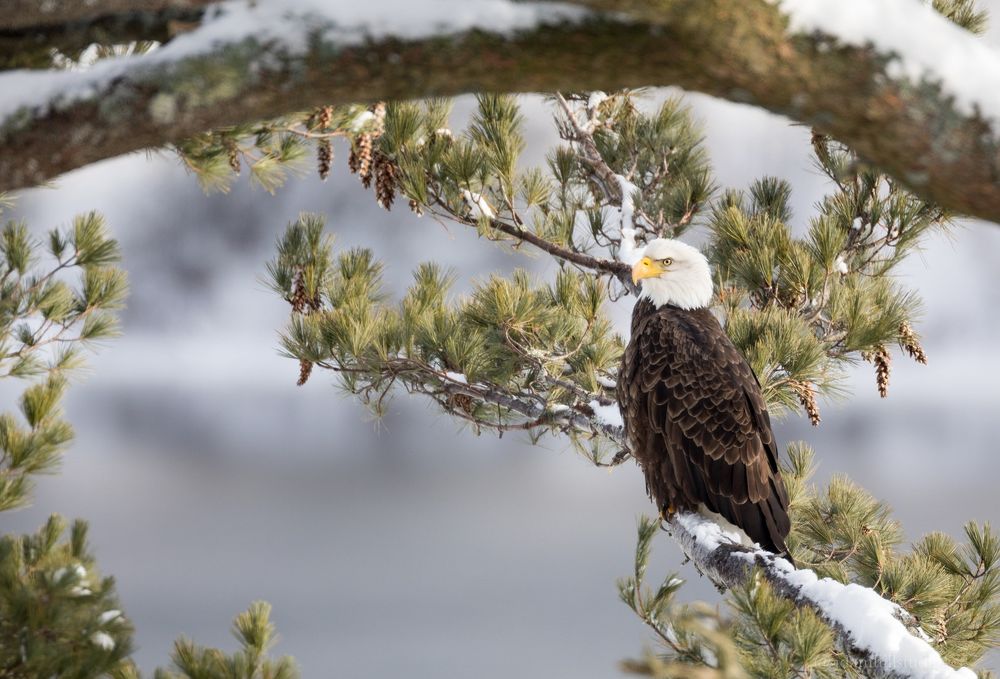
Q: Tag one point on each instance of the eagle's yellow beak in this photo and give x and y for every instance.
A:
(645, 268)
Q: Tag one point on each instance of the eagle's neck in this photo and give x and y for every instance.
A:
(690, 289)
(645, 311)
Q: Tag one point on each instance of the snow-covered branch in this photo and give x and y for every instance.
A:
(877, 634)
(928, 121)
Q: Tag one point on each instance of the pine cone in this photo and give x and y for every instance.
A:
(324, 117)
(883, 366)
(908, 339)
(416, 208)
(360, 161)
(353, 163)
(305, 370)
(299, 300)
(234, 158)
(385, 180)
(378, 110)
(324, 157)
(807, 397)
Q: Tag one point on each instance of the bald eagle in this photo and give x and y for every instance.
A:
(694, 416)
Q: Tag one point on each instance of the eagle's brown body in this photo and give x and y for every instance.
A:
(697, 423)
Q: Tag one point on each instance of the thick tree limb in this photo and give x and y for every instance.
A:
(30, 15)
(728, 48)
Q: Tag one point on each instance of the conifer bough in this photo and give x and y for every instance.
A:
(269, 64)
(517, 354)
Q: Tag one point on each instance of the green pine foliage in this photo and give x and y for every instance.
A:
(270, 151)
(513, 354)
(843, 533)
(801, 306)
(57, 298)
(255, 633)
(802, 298)
(58, 616)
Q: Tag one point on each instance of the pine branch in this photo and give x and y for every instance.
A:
(457, 396)
(619, 270)
(788, 304)
(878, 635)
(844, 91)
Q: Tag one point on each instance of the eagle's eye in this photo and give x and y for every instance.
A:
(666, 261)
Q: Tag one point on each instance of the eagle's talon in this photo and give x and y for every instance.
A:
(667, 513)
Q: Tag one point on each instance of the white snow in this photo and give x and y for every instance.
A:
(627, 251)
(361, 120)
(868, 618)
(841, 265)
(102, 639)
(608, 415)
(627, 211)
(480, 206)
(926, 45)
(107, 616)
(709, 532)
(78, 571)
(871, 622)
(607, 382)
(288, 26)
(456, 377)
(595, 99)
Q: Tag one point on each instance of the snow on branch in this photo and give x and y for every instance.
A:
(251, 63)
(877, 634)
(924, 46)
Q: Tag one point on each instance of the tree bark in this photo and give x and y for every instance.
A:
(31, 15)
(731, 565)
(732, 49)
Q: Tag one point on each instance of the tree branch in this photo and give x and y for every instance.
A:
(30, 15)
(733, 49)
(877, 634)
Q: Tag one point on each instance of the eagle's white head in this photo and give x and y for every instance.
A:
(675, 273)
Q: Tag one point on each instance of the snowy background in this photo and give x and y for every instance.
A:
(407, 546)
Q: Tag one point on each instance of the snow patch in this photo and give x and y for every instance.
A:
(710, 534)
(868, 619)
(480, 206)
(360, 120)
(595, 99)
(627, 251)
(103, 640)
(108, 616)
(282, 27)
(607, 382)
(926, 45)
(456, 377)
(872, 624)
(608, 415)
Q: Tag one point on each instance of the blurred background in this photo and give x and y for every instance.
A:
(409, 546)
